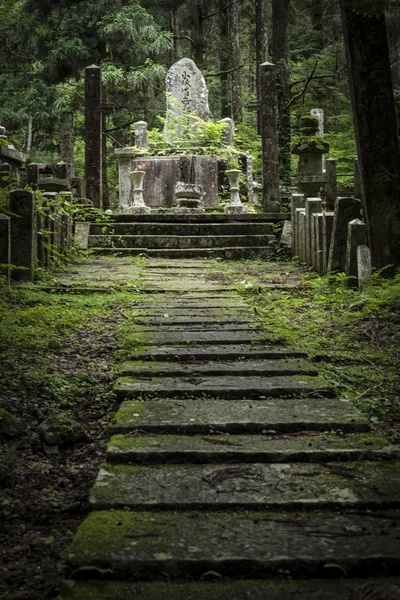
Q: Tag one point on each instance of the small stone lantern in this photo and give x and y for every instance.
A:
(138, 207)
(310, 148)
(235, 207)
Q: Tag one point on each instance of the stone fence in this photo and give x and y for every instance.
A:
(37, 232)
(331, 241)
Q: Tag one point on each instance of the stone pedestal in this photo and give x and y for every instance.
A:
(235, 206)
(138, 207)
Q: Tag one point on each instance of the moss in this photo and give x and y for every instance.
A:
(9, 426)
(307, 144)
(60, 429)
(309, 121)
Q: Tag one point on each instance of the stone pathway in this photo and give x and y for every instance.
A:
(232, 461)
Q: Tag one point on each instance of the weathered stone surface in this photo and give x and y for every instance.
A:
(233, 352)
(82, 235)
(267, 448)
(286, 237)
(317, 589)
(253, 367)
(196, 337)
(238, 416)
(364, 267)
(224, 386)
(269, 136)
(23, 233)
(186, 229)
(10, 427)
(313, 205)
(186, 93)
(262, 544)
(150, 319)
(141, 139)
(356, 236)
(249, 486)
(346, 210)
(176, 242)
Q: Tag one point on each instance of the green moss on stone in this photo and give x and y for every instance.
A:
(309, 121)
(9, 426)
(308, 144)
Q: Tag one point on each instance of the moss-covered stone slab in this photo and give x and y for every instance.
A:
(267, 448)
(316, 589)
(229, 252)
(181, 229)
(247, 486)
(241, 313)
(206, 327)
(143, 545)
(233, 352)
(189, 319)
(265, 368)
(224, 386)
(172, 338)
(206, 416)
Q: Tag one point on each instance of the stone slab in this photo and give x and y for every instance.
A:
(224, 387)
(267, 448)
(178, 242)
(206, 327)
(228, 252)
(189, 228)
(194, 314)
(316, 589)
(233, 352)
(191, 320)
(262, 368)
(256, 486)
(165, 338)
(205, 416)
(257, 545)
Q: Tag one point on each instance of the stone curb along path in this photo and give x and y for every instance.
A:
(233, 472)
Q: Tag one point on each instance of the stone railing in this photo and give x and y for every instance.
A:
(331, 241)
(38, 232)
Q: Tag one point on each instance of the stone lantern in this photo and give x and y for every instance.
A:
(310, 148)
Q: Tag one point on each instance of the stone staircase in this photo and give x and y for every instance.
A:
(186, 236)
(233, 472)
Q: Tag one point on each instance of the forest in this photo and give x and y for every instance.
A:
(216, 415)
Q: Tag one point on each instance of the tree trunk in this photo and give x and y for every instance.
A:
(174, 31)
(280, 57)
(197, 33)
(67, 141)
(104, 174)
(236, 86)
(375, 127)
(316, 15)
(261, 14)
(224, 62)
(29, 135)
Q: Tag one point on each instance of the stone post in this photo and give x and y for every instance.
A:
(364, 268)
(54, 222)
(32, 171)
(235, 206)
(357, 180)
(61, 170)
(93, 135)
(331, 183)
(228, 135)
(23, 234)
(5, 175)
(269, 136)
(302, 233)
(297, 201)
(327, 224)
(249, 178)
(5, 246)
(67, 142)
(141, 139)
(317, 241)
(346, 210)
(356, 236)
(313, 205)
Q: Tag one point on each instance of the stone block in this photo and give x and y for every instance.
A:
(313, 205)
(297, 201)
(286, 237)
(356, 236)
(61, 170)
(229, 131)
(23, 234)
(346, 209)
(317, 241)
(5, 175)
(5, 246)
(302, 234)
(141, 139)
(82, 235)
(33, 174)
(327, 224)
(364, 267)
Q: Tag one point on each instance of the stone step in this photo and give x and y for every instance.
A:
(205, 416)
(191, 313)
(163, 321)
(178, 242)
(263, 368)
(210, 327)
(179, 338)
(182, 229)
(256, 486)
(237, 545)
(224, 387)
(229, 252)
(317, 589)
(222, 352)
(145, 448)
(202, 218)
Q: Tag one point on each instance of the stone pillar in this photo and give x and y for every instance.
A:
(61, 170)
(32, 171)
(327, 224)
(364, 268)
(124, 170)
(228, 136)
(67, 142)
(81, 239)
(357, 180)
(93, 135)
(297, 201)
(5, 246)
(302, 233)
(317, 241)
(5, 175)
(331, 183)
(141, 139)
(249, 178)
(346, 210)
(269, 136)
(313, 205)
(356, 236)
(23, 234)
